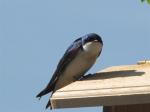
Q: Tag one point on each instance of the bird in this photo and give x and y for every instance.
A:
(76, 61)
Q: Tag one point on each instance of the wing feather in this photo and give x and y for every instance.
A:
(69, 55)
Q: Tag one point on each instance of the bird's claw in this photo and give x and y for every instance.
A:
(76, 78)
(85, 76)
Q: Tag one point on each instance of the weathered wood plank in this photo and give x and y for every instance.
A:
(119, 85)
(128, 108)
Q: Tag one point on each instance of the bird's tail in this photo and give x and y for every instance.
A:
(48, 104)
(43, 92)
(48, 89)
(40, 94)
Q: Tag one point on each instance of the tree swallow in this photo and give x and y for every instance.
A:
(77, 60)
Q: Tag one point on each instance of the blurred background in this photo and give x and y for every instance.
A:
(34, 35)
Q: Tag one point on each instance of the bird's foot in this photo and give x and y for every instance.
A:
(85, 76)
(76, 78)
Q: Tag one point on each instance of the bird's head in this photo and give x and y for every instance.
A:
(92, 43)
(92, 37)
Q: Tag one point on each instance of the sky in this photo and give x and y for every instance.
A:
(34, 35)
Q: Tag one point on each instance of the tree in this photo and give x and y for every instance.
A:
(148, 1)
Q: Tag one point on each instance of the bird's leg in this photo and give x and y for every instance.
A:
(76, 78)
(82, 77)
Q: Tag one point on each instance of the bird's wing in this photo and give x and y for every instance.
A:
(66, 59)
(69, 55)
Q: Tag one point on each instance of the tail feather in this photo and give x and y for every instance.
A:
(40, 94)
(44, 92)
(48, 105)
(50, 88)
(47, 90)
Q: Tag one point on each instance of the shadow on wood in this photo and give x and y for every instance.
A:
(113, 74)
(128, 108)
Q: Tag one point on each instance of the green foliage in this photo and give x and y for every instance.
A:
(148, 1)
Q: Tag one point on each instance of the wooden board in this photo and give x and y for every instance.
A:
(118, 85)
(128, 108)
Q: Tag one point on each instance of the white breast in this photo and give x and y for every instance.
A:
(82, 62)
(93, 48)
